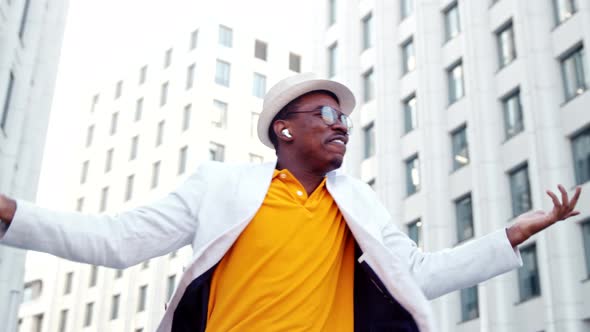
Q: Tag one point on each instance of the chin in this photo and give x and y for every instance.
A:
(335, 163)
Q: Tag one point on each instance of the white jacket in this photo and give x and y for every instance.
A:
(214, 206)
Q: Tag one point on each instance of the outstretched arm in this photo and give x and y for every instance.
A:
(530, 223)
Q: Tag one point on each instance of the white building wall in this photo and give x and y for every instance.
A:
(236, 137)
(549, 123)
(29, 49)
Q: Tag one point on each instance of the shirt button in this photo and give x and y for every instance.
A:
(283, 176)
(299, 193)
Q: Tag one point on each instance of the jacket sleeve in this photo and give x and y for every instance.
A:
(115, 241)
(452, 269)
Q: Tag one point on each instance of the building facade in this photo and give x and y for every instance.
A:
(144, 133)
(468, 111)
(30, 40)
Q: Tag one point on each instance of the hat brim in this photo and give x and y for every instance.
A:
(274, 104)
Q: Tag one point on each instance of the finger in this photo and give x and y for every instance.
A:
(564, 199)
(556, 203)
(571, 214)
(574, 200)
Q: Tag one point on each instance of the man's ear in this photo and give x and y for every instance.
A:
(282, 131)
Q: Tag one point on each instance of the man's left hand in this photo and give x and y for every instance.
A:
(532, 222)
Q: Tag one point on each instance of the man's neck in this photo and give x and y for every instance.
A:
(309, 180)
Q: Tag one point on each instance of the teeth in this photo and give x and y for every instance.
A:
(338, 141)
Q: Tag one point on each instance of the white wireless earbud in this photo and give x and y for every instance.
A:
(286, 133)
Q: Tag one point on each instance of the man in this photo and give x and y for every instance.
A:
(294, 245)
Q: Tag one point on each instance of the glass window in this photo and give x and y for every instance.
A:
(332, 59)
(129, 187)
(455, 82)
(574, 73)
(134, 146)
(410, 114)
(108, 165)
(182, 160)
(114, 123)
(368, 86)
(528, 275)
(460, 148)
(160, 133)
(32, 290)
(37, 319)
(586, 239)
(464, 215)
(452, 22)
(104, 196)
(186, 117)
(222, 72)
(89, 135)
(520, 190)
(142, 74)
(141, 299)
(219, 114)
(407, 8)
(469, 304)
(95, 99)
(408, 56)
(256, 159)
(513, 121)
(118, 89)
(63, 321)
(115, 306)
(193, 40)
(84, 173)
(369, 139)
(190, 76)
(260, 49)
(563, 9)
(88, 314)
(155, 174)
(118, 274)
(145, 264)
(367, 27)
(412, 175)
(581, 153)
(506, 44)
(93, 276)
(168, 58)
(138, 109)
(259, 86)
(7, 100)
(415, 232)
(225, 36)
(254, 124)
(80, 204)
(216, 152)
(164, 94)
(68, 283)
(171, 286)
(331, 12)
(294, 62)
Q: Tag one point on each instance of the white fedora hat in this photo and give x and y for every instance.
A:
(292, 87)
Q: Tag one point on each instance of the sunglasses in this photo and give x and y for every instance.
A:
(330, 116)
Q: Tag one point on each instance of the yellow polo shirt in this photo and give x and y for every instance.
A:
(292, 268)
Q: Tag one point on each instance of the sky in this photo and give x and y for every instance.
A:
(104, 38)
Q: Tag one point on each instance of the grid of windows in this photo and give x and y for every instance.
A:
(412, 175)
(408, 56)
(581, 154)
(225, 36)
(460, 148)
(406, 8)
(332, 59)
(455, 82)
(464, 215)
(368, 86)
(369, 139)
(219, 118)
(563, 9)
(506, 44)
(222, 72)
(410, 114)
(528, 275)
(367, 30)
(259, 85)
(452, 21)
(520, 190)
(415, 232)
(260, 50)
(469, 304)
(216, 152)
(574, 73)
(513, 121)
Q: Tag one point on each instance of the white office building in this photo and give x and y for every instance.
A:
(468, 110)
(145, 132)
(30, 40)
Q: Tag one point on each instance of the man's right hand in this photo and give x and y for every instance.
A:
(7, 209)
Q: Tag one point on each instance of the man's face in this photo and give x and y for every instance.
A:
(320, 145)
